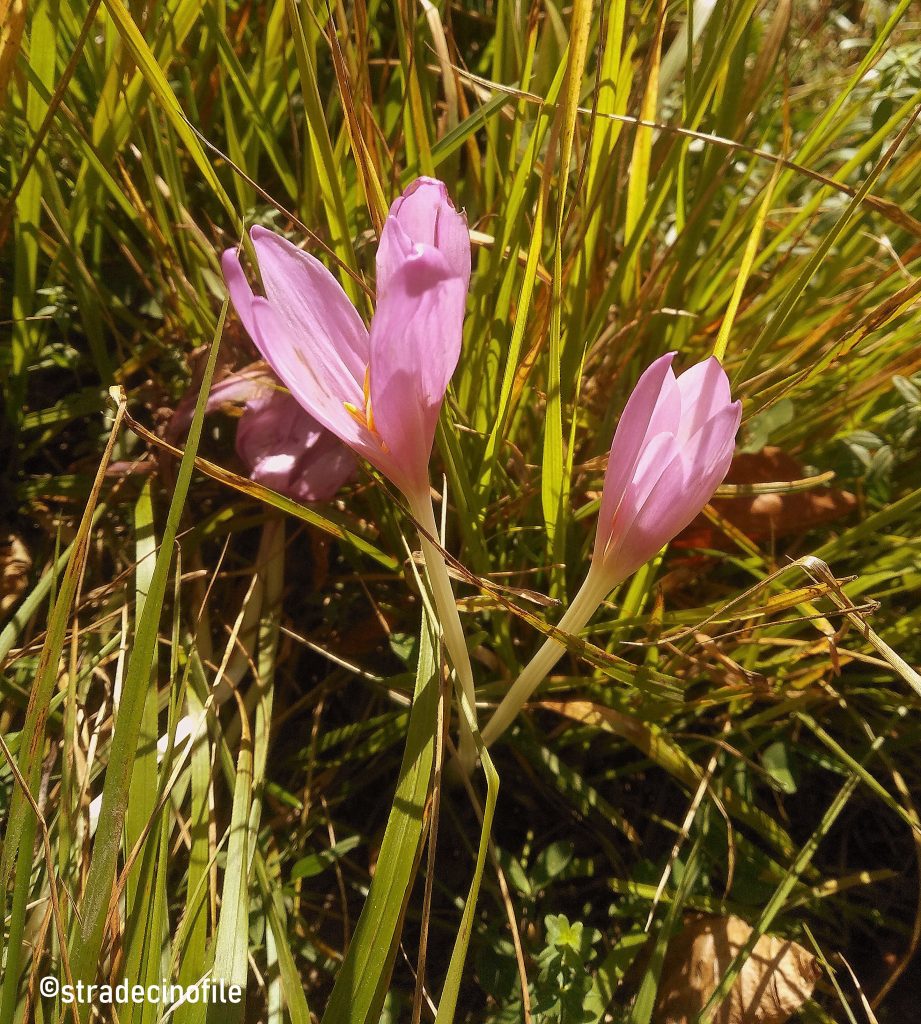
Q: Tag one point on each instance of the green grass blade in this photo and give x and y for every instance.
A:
(363, 977)
(232, 939)
(86, 943)
(160, 87)
(447, 1005)
(19, 837)
(776, 903)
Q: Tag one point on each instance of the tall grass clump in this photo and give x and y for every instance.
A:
(228, 721)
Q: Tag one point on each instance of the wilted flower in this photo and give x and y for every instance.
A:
(671, 450)
(282, 446)
(379, 391)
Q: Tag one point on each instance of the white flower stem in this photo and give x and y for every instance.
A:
(451, 627)
(592, 592)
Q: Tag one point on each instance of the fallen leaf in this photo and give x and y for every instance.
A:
(12, 24)
(777, 514)
(775, 981)
(15, 565)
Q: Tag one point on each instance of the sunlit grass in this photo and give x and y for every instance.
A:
(752, 193)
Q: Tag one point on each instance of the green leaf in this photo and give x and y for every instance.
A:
(317, 863)
(776, 762)
(232, 940)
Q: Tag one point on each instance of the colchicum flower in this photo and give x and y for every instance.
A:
(671, 450)
(282, 446)
(287, 450)
(379, 390)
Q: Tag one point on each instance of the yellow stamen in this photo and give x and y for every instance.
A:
(369, 415)
(356, 414)
(365, 417)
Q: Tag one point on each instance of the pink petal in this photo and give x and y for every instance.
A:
(657, 453)
(654, 407)
(685, 485)
(275, 425)
(704, 390)
(311, 335)
(648, 531)
(246, 386)
(274, 470)
(320, 387)
(286, 449)
(312, 305)
(670, 484)
(416, 210)
(314, 340)
(291, 335)
(423, 216)
(655, 456)
(323, 470)
(393, 250)
(709, 457)
(235, 387)
(241, 295)
(415, 344)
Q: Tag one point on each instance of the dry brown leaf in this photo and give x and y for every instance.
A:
(761, 516)
(12, 23)
(776, 980)
(15, 565)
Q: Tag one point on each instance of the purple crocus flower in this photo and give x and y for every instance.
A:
(379, 390)
(671, 450)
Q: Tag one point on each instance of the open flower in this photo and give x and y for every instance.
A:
(671, 450)
(379, 391)
(281, 445)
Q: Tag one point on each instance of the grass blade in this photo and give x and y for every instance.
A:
(86, 943)
(363, 977)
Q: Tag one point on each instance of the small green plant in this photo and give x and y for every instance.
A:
(880, 454)
(560, 983)
(564, 981)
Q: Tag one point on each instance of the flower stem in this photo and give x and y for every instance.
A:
(451, 627)
(592, 592)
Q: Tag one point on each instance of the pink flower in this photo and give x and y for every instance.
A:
(286, 449)
(282, 446)
(379, 391)
(671, 450)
